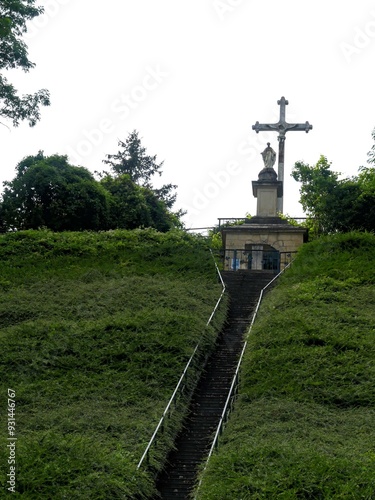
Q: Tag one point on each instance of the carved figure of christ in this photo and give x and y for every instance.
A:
(282, 127)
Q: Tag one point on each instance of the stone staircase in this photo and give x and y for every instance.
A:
(192, 444)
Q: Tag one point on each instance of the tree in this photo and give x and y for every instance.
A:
(134, 161)
(334, 204)
(132, 164)
(365, 202)
(318, 183)
(14, 15)
(371, 154)
(133, 206)
(48, 192)
(141, 167)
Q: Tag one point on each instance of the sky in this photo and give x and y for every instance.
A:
(192, 77)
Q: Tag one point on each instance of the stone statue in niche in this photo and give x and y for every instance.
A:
(269, 156)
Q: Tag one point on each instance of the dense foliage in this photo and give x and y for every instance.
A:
(133, 161)
(335, 204)
(132, 206)
(14, 15)
(95, 330)
(49, 192)
(304, 423)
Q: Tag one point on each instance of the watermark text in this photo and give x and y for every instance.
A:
(12, 440)
(119, 110)
(51, 10)
(224, 7)
(361, 39)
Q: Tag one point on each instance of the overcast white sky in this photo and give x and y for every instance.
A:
(193, 77)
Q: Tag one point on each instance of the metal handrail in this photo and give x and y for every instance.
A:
(229, 220)
(225, 412)
(175, 392)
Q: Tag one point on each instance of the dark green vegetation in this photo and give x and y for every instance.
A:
(304, 423)
(134, 202)
(333, 204)
(14, 14)
(96, 329)
(48, 192)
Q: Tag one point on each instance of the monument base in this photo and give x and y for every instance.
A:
(263, 243)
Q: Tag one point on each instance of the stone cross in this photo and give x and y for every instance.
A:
(282, 127)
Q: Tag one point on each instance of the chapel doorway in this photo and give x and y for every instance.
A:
(263, 257)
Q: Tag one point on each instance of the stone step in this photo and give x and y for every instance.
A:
(192, 444)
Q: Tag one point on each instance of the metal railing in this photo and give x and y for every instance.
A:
(180, 384)
(235, 259)
(235, 381)
(227, 221)
(200, 230)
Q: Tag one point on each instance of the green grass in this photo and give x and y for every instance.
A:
(95, 330)
(304, 423)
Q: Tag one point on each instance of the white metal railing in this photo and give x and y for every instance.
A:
(225, 221)
(183, 376)
(229, 401)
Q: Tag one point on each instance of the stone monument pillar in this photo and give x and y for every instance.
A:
(266, 242)
(267, 189)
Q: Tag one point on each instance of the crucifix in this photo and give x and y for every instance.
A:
(282, 127)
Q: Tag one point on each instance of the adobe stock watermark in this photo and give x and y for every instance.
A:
(119, 110)
(248, 156)
(224, 7)
(51, 10)
(249, 151)
(12, 441)
(361, 39)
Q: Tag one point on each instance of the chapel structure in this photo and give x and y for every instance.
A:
(266, 241)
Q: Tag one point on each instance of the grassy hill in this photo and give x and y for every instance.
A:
(95, 330)
(304, 423)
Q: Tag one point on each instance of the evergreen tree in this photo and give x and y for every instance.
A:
(133, 161)
(132, 164)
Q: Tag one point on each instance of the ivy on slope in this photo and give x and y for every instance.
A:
(95, 330)
(304, 423)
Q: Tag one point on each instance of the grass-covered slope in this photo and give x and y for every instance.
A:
(95, 330)
(304, 423)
